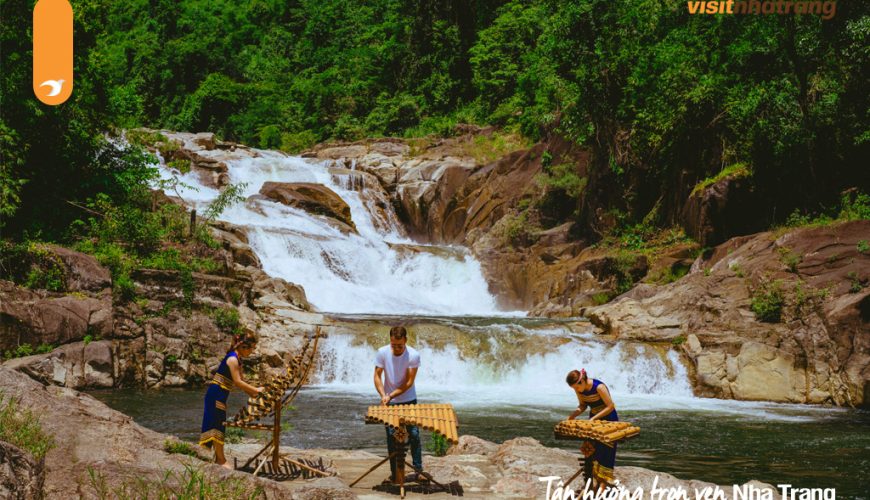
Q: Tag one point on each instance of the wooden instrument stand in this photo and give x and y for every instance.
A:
(278, 394)
(593, 430)
(438, 418)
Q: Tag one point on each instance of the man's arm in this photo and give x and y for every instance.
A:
(409, 382)
(379, 385)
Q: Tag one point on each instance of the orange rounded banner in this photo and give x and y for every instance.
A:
(52, 51)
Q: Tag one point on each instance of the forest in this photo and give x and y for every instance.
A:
(664, 100)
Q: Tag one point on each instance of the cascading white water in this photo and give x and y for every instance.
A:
(505, 377)
(365, 273)
(346, 273)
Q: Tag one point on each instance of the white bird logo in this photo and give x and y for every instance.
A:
(55, 86)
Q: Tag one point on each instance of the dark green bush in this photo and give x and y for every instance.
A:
(767, 302)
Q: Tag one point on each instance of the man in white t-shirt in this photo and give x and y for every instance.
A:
(398, 363)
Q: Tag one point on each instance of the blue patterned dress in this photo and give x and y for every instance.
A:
(215, 414)
(604, 458)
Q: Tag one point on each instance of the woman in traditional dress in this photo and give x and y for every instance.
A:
(228, 374)
(594, 394)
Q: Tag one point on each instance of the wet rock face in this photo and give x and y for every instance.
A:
(817, 352)
(20, 475)
(313, 198)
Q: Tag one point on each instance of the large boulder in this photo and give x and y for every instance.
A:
(235, 241)
(313, 198)
(38, 317)
(83, 272)
(723, 209)
(76, 365)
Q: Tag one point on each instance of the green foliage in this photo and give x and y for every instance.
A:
(856, 284)
(488, 148)
(767, 301)
(270, 137)
(144, 138)
(227, 319)
(229, 196)
(88, 339)
(678, 340)
(854, 205)
(518, 230)
(10, 186)
(601, 298)
(21, 427)
(662, 99)
(33, 265)
(624, 263)
(296, 142)
(188, 287)
(124, 288)
(736, 171)
(564, 177)
(789, 258)
(438, 445)
(863, 246)
(177, 447)
(643, 237)
(235, 295)
(181, 164)
(672, 274)
(234, 435)
(192, 483)
(27, 350)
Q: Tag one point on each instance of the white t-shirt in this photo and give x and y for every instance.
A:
(396, 370)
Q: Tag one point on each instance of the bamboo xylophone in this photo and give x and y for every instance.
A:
(279, 391)
(597, 430)
(438, 418)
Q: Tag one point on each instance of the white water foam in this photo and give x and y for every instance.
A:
(639, 378)
(346, 273)
(537, 379)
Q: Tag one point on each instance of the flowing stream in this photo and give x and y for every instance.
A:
(503, 372)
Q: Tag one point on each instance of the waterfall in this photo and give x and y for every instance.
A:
(369, 272)
(480, 366)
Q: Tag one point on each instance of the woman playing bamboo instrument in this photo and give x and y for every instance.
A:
(594, 394)
(229, 373)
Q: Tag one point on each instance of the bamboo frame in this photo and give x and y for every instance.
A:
(277, 394)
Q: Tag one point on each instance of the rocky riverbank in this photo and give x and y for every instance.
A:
(101, 450)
